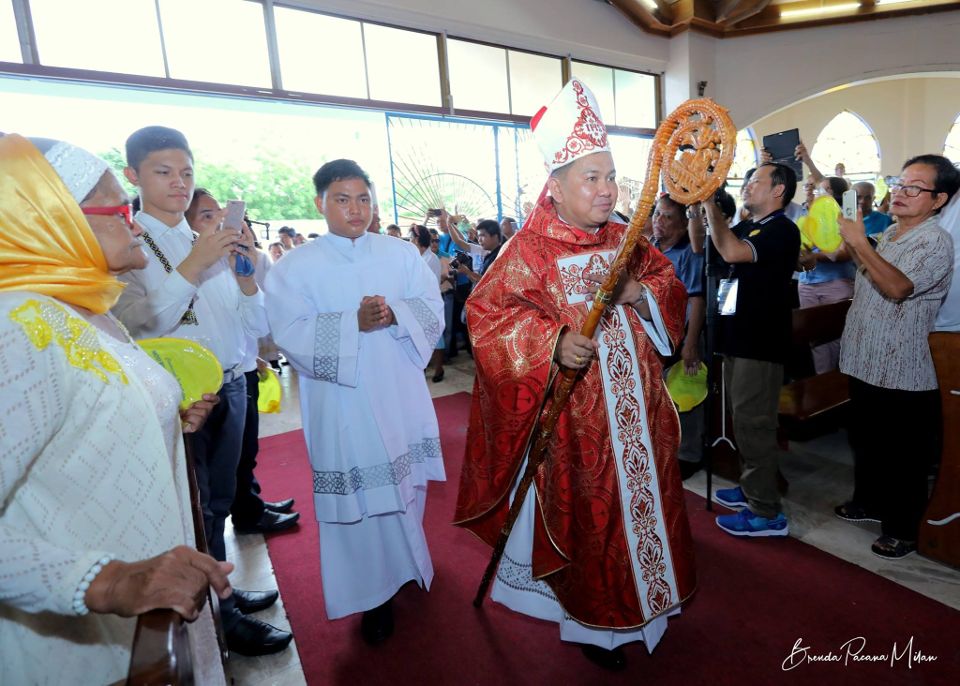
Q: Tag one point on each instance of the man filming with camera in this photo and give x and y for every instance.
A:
(469, 263)
(490, 238)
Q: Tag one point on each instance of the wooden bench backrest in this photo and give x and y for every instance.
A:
(820, 323)
(161, 653)
(939, 530)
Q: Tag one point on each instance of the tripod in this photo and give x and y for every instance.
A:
(712, 319)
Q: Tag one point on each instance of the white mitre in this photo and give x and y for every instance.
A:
(570, 127)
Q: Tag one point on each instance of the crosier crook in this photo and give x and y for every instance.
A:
(705, 138)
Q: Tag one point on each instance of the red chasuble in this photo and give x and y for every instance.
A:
(611, 536)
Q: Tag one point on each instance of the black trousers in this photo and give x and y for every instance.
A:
(216, 453)
(247, 505)
(461, 293)
(895, 437)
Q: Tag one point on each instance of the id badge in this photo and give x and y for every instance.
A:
(727, 296)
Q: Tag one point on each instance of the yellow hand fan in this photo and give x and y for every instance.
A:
(687, 391)
(822, 228)
(195, 368)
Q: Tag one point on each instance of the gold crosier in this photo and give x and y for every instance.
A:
(694, 148)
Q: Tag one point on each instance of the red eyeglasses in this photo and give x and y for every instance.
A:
(124, 211)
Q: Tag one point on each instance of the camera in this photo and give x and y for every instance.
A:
(463, 258)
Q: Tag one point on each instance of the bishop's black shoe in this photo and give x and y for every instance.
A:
(688, 469)
(280, 506)
(612, 660)
(377, 624)
(253, 601)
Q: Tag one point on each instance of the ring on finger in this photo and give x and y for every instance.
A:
(579, 359)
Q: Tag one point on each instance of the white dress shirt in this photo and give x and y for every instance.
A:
(261, 265)
(948, 319)
(154, 302)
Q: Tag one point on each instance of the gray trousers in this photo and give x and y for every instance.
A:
(753, 392)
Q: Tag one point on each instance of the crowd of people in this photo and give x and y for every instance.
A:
(96, 503)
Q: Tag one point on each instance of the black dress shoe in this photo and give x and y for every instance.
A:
(270, 522)
(377, 624)
(281, 506)
(253, 601)
(688, 469)
(252, 637)
(613, 660)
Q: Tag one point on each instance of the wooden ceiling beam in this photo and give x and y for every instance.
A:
(638, 13)
(728, 18)
(769, 20)
(732, 12)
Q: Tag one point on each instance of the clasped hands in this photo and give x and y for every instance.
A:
(575, 351)
(374, 313)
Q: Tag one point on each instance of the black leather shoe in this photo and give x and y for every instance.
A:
(252, 637)
(281, 506)
(377, 624)
(688, 469)
(253, 601)
(612, 660)
(270, 522)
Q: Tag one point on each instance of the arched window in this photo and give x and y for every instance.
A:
(951, 146)
(746, 156)
(847, 140)
(744, 159)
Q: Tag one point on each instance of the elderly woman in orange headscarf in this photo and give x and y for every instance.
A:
(94, 503)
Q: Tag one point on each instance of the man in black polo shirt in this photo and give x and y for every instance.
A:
(755, 303)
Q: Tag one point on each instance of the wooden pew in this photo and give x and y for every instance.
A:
(940, 526)
(161, 652)
(814, 397)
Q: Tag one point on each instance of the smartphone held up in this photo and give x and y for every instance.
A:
(233, 219)
(850, 205)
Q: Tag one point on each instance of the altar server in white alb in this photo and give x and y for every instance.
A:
(358, 315)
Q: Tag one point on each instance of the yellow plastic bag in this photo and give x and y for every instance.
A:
(196, 369)
(270, 393)
(687, 391)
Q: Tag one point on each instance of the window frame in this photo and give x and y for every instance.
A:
(32, 68)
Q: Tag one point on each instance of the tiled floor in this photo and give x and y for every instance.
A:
(820, 473)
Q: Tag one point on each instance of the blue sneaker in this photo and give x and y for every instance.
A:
(731, 497)
(745, 523)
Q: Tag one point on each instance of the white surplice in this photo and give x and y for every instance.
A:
(368, 420)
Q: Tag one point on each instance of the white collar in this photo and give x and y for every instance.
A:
(157, 228)
(344, 242)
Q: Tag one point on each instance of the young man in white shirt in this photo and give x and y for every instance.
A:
(190, 289)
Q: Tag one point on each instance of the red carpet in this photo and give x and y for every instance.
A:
(756, 599)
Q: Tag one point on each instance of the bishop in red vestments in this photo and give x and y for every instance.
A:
(603, 545)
